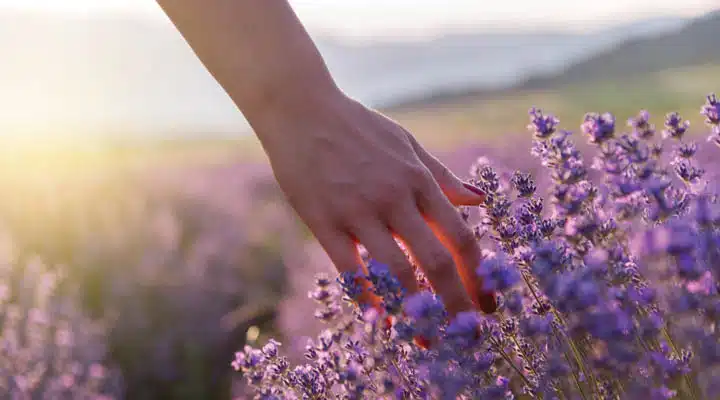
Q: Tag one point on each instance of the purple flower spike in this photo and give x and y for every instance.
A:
(543, 126)
(675, 126)
(599, 127)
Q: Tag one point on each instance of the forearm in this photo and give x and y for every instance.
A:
(257, 50)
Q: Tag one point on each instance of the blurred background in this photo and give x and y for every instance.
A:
(128, 171)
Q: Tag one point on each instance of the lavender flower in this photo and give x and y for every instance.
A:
(609, 290)
(497, 272)
(642, 128)
(675, 126)
(543, 126)
(711, 111)
(48, 348)
(599, 127)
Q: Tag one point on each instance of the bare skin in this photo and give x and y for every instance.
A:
(353, 175)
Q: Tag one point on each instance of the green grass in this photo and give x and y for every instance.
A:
(67, 158)
(502, 117)
(490, 118)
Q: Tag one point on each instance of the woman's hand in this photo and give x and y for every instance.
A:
(355, 176)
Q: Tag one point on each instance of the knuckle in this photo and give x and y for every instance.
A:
(349, 211)
(386, 195)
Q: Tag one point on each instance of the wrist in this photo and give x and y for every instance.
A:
(293, 96)
(290, 110)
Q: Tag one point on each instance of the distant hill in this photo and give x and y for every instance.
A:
(695, 44)
(390, 73)
(65, 75)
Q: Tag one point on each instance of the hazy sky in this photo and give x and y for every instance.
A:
(410, 17)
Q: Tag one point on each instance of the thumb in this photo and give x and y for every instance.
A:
(458, 192)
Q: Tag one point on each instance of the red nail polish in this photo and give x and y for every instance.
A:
(487, 302)
(474, 189)
(422, 342)
(388, 323)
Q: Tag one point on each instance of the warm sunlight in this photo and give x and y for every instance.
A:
(82, 6)
(533, 184)
(417, 17)
(119, 76)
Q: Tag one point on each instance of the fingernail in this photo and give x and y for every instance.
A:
(474, 189)
(388, 323)
(487, 302)
(422, 342)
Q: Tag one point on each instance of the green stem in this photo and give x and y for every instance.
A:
(514, 339)
(581, 363)
(576, 379)
(402, 376)
(691, 386)
(576, 353)
(512, 364)
(519, 348)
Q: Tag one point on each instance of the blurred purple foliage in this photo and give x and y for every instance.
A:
(49, 348)
(178, 261)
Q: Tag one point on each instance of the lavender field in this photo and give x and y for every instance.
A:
(137, 270)
(175, 261)
(140, 277)
(604, 256)
(147, 251)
